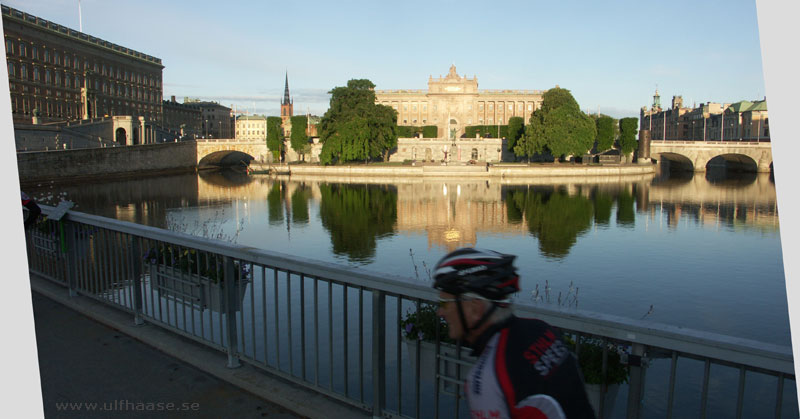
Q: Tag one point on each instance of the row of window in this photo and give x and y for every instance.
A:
(55, 78)
(74, 62)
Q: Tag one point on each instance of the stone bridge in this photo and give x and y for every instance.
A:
(751, 156)
(227, 152)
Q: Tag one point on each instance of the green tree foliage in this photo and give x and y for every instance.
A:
(516, 128)
(430, 131)
(298, 137)
(605, 133)
(559, 127)
(356, 216)
(274, 136)
(355, 128)
(627, 135)
(408, 131)
(495, 131)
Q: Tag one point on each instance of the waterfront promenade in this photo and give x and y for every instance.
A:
(94, 362)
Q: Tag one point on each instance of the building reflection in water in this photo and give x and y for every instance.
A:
(450, 213)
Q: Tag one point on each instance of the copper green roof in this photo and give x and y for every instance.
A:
(747, 106)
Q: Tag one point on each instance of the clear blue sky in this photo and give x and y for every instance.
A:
(610, 54)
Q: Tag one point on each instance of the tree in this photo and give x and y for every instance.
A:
(516, 128)
(355, 128)
(274, 136)
(605, 133)
(559, 127)
(628, 128)
(298, 137)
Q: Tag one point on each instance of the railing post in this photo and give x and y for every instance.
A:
(136, 267)
(230, 311)
(636, 388)
(378, 353)
(72, 263)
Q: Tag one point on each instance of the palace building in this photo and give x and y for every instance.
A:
(740, 121)
(58, 74)
(454, 102)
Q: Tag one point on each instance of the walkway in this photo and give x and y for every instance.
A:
(87, 365)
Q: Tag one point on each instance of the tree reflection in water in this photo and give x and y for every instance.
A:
(356, 216)
(300, 198)
(553, 217)
(274, 203)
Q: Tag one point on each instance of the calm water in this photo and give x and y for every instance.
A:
(698, 251)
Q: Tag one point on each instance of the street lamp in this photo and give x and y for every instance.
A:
(205, 127)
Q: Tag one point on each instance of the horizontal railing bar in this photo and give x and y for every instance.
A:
(710, 345)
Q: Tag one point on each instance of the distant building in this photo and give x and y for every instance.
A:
(182, 118)
(216, 120)
(740, 121)
(454, 102)
(66, 75)
(253, 128)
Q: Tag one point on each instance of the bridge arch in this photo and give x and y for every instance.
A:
(226, 158)
(678, 161)
(748, 155)
(733, 161)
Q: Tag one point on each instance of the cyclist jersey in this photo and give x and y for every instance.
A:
(524, 370)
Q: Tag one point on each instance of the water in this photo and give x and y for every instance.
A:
(703, 251)
(698, 251)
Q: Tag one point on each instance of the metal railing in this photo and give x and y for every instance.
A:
(336, 330)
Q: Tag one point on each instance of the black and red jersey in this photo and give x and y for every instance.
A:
(525, 370)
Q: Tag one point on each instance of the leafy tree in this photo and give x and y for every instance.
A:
(559, 127)
(274, 136)
(627, 135)
(298, 137)
(516, 128)
(355, 128)
(605, 133)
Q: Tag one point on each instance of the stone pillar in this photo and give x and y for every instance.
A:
(142, 132)
(643, 153)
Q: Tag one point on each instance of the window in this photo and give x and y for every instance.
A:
(58, 79)
(105, 88)
(34, 53)
(35, 74)
(77, 82)
(23, 50)
(56, 58)
(23, 71)
(105, 70)
(95, 68)
(9, 47)
(47, 56)
(66, 81)
(11, 70)
(47, 76)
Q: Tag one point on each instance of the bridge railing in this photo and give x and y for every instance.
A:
(337, 330)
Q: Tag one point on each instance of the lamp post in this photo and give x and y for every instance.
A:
(205, 127)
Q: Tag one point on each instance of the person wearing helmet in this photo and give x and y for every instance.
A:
(524, 369)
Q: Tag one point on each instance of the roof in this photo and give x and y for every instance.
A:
(747, 106)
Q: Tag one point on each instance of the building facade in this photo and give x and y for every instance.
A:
(251, 128)
(60, 74)
(182, 118)
(216, 121)
(454, 102)
(740, 121)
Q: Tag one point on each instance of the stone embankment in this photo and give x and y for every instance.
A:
(472, 171)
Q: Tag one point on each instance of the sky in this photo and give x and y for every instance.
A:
(611, 55)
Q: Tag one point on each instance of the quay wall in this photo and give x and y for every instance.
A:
(481, 171)
(93, 163)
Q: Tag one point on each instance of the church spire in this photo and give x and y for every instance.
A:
(287, 109)
(286, 99)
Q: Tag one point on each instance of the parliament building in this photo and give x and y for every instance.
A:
(454, 102)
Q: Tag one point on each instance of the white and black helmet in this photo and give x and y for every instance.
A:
(484, 272)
